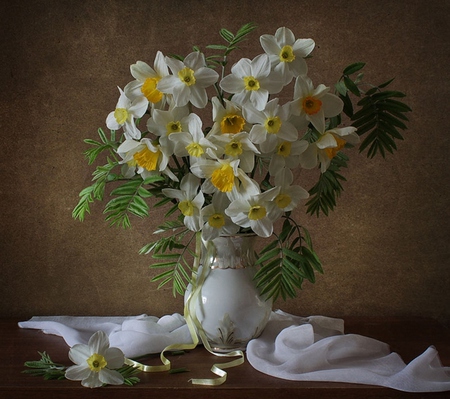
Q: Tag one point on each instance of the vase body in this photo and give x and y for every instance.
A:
(228, 306)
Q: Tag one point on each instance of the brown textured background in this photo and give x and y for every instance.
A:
(384, 249)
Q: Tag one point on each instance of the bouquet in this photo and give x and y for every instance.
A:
(217, 147)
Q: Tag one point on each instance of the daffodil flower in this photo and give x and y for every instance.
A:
(147, 80)
(286, 155)
(327, 146)
(95, 362)
(287, 54)
(289, 196)
(190, 200)
(164, 123)
(270, 125)
(192, 142)
(227, 119)
(237, 146)
(252, 80)
(217, 222)
(220, 174)
(145, 157)
(189, 80)
(254, 212)
(125, 113)
(314, 104)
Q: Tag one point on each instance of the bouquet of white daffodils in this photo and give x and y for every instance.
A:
(234, 172)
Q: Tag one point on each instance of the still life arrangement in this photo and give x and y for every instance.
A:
(216, 144)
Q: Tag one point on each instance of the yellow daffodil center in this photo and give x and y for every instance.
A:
(311, 105)
(150, 91)
(331, 152)
(282, 200)
(173, 127)
(195, 150)
(284, 149)
(96, 362)
(273, 124)
(121, 115)
(232, 124)
(251, 83)
(186, 75)
(287, 54)
(257, 212)
(233, 148)
(147, 159)
(217, 220)
(223, 178)
(186, 208)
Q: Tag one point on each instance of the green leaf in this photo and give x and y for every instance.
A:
(351, 86)
(354, 68)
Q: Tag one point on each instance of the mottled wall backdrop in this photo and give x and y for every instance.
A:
(384, 249)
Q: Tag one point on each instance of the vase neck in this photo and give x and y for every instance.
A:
(231, 252)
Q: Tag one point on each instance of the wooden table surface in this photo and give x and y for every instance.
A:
(408, 337)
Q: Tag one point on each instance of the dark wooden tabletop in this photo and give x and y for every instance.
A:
(408, 337)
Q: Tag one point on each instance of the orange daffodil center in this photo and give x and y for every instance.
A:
(311, 105)
(331, 152)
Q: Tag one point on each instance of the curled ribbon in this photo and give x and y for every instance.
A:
(195, 330)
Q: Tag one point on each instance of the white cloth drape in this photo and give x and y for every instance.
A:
(291, 347)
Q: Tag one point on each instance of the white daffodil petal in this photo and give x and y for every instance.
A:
(332, 105)
(111, 377)
(78, 372)
(98, 343)
(92, 381)
(114, 358)
(79, 353)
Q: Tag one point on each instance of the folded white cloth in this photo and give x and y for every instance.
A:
(134, 335)
(316, 349)
(297, 348)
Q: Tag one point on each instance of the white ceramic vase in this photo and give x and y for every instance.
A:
(229, 307)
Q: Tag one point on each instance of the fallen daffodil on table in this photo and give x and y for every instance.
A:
(96, 365)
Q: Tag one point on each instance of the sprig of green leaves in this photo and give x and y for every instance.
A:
(287, 261)
(173, 254)
(324, 194)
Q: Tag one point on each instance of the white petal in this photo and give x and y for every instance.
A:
(206, 77)
(318, 120)
(181, 95)
(111, 122)
(270, 45)
(111, 377)
(98, 343)
(260, 66)
(303, 47)
(242, 68)
(92, 381)
(285, 36)
(198, 97)
(79, 372)
(114, 357)
(259, 98)
(232, 84)
(167, 83)
(262, 227)
(79, 353)
(332, 105)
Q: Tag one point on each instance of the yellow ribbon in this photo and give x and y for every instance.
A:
(195, 330)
